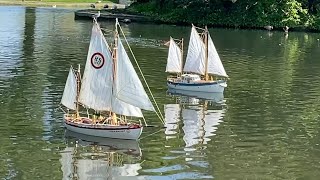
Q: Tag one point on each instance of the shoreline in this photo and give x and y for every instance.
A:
(56, 4)
(82, 7)
(109, 14)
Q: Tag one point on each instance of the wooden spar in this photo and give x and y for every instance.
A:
(181, 56)
(206, 54)
(115, 55)
(78, 76)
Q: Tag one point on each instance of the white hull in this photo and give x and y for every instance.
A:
(216, 87)
(213, 97)
(118, 132)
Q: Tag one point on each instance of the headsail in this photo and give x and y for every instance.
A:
(70, 91)
(96, 87)
(195, 61)
(120, 107)
(174, 58)
(128, 87)
(214, 62)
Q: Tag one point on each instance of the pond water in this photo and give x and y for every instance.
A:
(265, 125)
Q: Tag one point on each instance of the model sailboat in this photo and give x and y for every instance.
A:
(203, 70)
(110, 91)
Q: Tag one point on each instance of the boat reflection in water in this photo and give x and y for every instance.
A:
(198, 113)
(194, 98)
(89, 157)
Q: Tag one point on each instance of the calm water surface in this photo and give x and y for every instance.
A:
(265, 126)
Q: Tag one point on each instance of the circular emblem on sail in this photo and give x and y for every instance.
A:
(97, 60)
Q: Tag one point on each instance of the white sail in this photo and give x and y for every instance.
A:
(195, 61)
(96, 87)
(70, 91)
(123, 108)
(174, 61)
(128, 87)
(214, 63)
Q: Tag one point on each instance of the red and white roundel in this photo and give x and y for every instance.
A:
(97, 60)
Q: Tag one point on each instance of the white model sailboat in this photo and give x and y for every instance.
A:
(110, 90)
(203, 70)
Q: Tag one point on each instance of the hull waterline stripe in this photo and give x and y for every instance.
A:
(198, 84)
(102, 128)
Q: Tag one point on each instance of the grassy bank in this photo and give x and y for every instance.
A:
(58, 3)
(81, 1)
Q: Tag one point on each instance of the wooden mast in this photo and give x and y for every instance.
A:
(78, 76)
(115, 55)
(181, 57)
(206, 54)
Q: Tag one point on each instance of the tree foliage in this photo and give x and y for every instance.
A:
(234, 13)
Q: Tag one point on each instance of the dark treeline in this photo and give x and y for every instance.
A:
(298, 14)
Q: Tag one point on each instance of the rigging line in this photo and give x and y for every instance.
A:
(145, 122)
(161, 116)
(151, 134)
(62, 109)
(198, 27)
(179, 40)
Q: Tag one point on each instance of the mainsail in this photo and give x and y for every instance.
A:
(195, 61)
(128, 87)
(96, 87)
(214, 62)
(174, 61)
(70, 91)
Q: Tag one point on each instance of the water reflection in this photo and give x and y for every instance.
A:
(198, 114)
(89, 157)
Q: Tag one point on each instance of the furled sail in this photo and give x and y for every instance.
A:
(128, 87)
(195, 61)
(174, 58)
(70, 91)
(96, 87)
(214, 62)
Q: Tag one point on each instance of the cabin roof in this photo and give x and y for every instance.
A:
(190, 75)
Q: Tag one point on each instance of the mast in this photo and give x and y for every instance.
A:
(78, 76)
(115, 50)
(181, 56)
(115, 55)
(206, 53)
